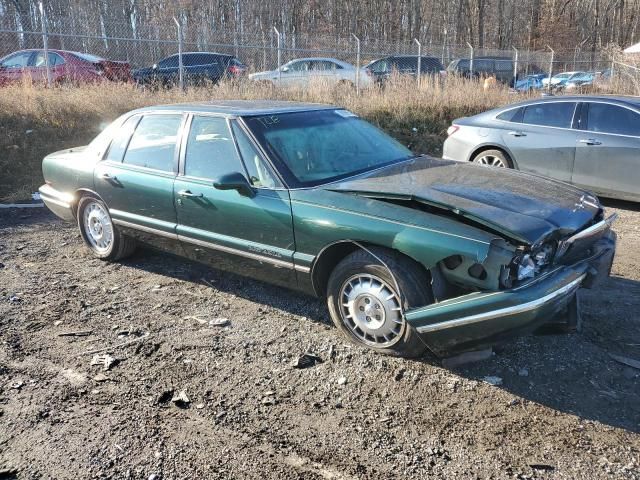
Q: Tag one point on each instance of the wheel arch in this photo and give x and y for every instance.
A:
(79, 193)
(332, 254)
(492, 146)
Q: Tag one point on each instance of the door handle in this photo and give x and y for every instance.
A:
(590, 141)
(106, 176)
(517, 134)
(187, 193)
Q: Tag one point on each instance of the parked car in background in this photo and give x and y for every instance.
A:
(529, 83)
(499, 67)
(380, 70)
(590, 141)
(580, 83)
(198, 68)
(559, 80)
(411, 253)
(302, 71)
(65, 67)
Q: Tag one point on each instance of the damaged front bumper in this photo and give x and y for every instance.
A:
(481, 319)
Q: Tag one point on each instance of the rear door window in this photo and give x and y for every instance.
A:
(557, 114)
(153, 142)
(324, 65)
(54, 59)
(406, 64)
(483, 65)
(504, 65)
(607, 118)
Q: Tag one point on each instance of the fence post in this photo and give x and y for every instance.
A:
(553, 53)
(180, 64)
(419, 60)
(45, 43)
(444, 46)
(515, 68)
(470, 60)
(613, 64)
(357, 64)
(279, 56)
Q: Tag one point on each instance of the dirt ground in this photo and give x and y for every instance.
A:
(565, 408)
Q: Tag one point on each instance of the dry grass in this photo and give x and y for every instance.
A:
(36, 121)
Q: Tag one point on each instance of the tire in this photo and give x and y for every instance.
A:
(384, 330)
(103, 238)
(493, 158)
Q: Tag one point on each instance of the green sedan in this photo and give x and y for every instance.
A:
(411, 253)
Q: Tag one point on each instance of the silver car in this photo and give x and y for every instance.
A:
(589, 141)
(301, 71)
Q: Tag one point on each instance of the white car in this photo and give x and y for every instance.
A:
(302, 71)
(561, 78)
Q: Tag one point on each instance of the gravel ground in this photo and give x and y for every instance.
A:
(565, 408)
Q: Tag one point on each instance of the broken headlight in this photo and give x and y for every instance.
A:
(528, 265)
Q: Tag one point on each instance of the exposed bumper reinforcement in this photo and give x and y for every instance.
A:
(483, 319)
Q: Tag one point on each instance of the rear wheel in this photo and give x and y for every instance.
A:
(366, 300)
(493, 158)
(99, 233)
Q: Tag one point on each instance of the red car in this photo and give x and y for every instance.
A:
(65, 67)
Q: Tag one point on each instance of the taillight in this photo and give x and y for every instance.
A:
(235, 69)
(452, 129)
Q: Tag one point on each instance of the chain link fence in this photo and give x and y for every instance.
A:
(267, 50)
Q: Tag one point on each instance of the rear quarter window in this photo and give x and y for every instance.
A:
(514, 115)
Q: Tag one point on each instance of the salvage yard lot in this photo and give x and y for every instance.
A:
(565, 408)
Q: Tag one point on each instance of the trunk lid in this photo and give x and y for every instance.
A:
(525, 207)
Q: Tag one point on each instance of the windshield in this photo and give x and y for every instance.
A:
(316, 147)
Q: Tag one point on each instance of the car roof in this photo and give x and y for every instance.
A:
(239, 107)
(620, 99)
(321, 59)
(202, 53)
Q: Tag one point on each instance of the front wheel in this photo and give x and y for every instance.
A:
(366, 300)
(99, 233)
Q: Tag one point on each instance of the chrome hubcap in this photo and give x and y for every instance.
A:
(371, 310)
(98, 227)
(490, 160)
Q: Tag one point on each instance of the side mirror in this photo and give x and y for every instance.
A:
(235, 181)
(285, 69)
(154, 66)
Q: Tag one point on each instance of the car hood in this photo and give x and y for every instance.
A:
(525, 207)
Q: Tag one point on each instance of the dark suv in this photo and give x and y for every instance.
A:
(499, 67)
(382, 68)
(198, 67)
